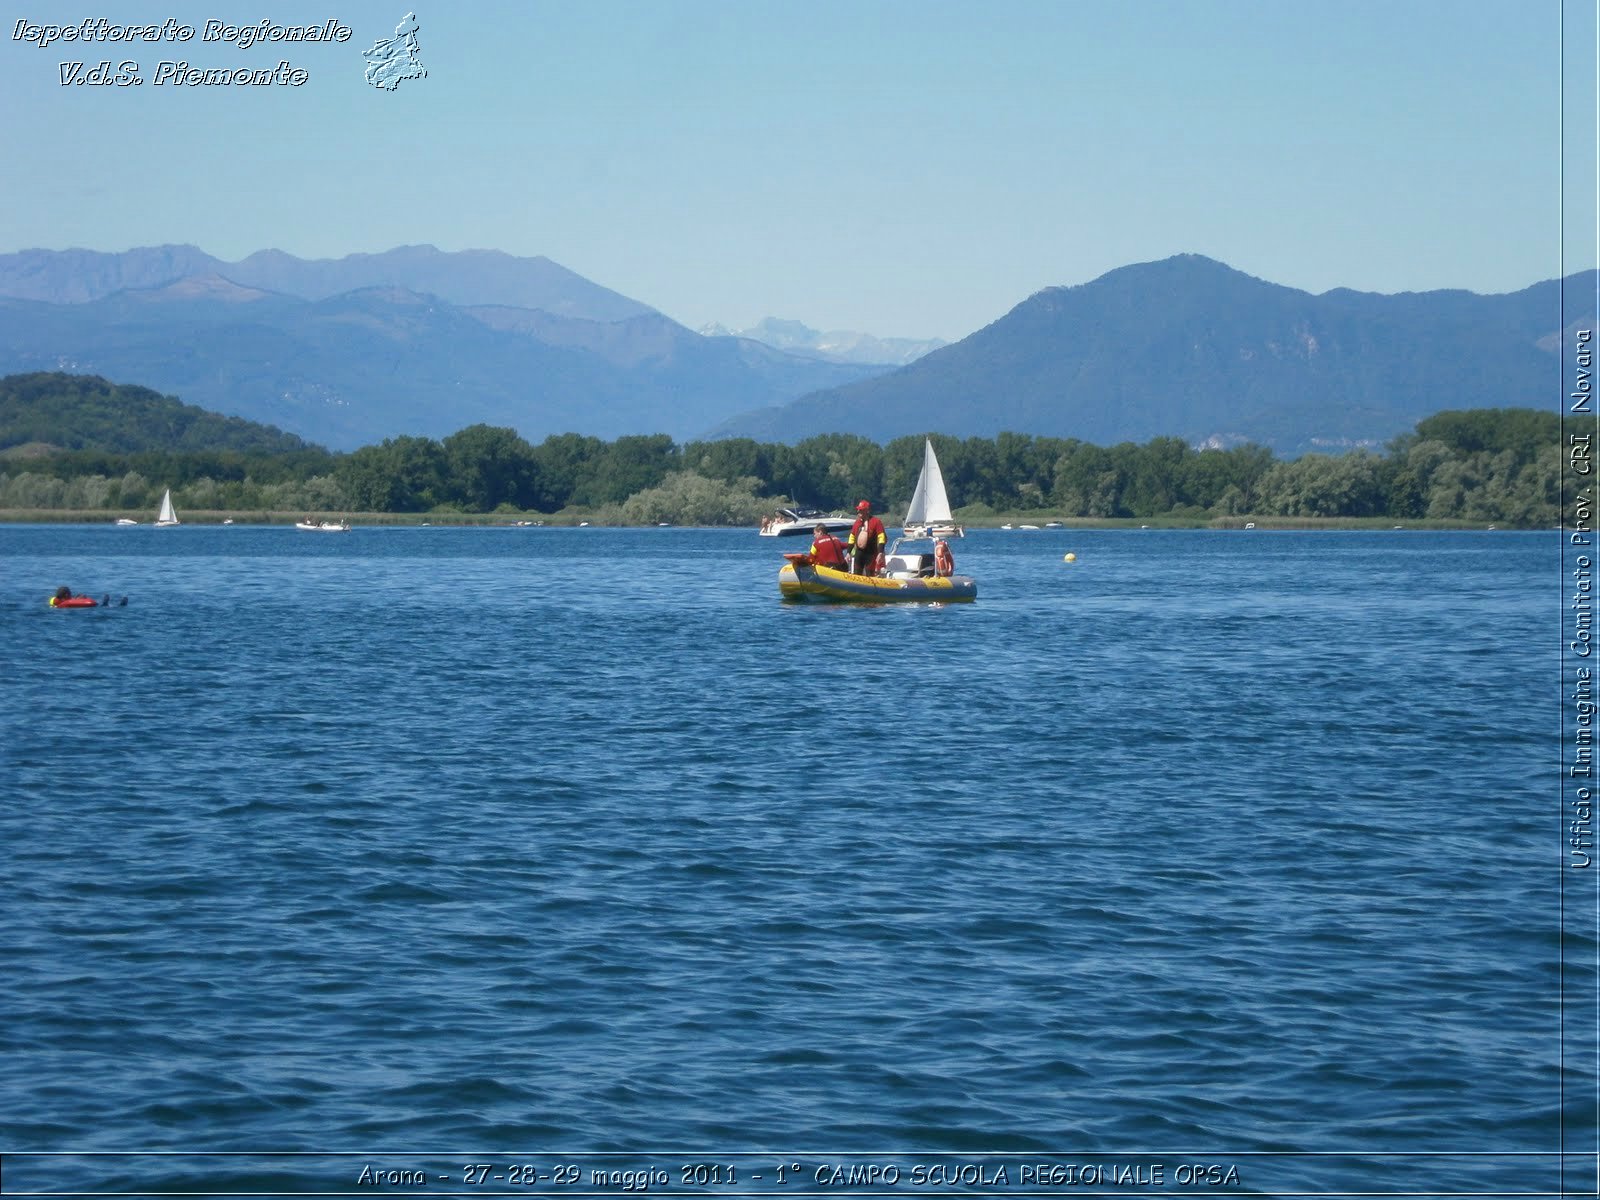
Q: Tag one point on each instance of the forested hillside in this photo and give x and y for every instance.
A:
(55, 411)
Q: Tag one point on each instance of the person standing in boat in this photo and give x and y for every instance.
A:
(867, 541)
(944, 563)
(827, 550)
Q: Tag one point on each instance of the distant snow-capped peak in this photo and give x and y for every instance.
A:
(836, 345)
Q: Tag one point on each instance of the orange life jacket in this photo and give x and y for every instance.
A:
(827, 551)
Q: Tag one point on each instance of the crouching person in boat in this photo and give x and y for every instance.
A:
(826, 550)
(867, 541)
(944, 563)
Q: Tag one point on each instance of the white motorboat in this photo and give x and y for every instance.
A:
(803, 522)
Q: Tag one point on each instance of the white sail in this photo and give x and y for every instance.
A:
(929, 504)
(166, 516)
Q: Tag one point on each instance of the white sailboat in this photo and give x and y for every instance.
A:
(166, 516)
(929, 513)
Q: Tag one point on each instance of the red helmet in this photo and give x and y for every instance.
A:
(864, 506)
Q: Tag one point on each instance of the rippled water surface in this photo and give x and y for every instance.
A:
(518, 840)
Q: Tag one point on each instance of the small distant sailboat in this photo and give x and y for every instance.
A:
(929, 513)
(166, 516)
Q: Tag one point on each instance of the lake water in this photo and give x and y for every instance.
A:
(1234, 859)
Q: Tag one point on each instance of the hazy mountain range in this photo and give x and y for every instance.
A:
(418, 341)
(461, 277)
(1189, 347)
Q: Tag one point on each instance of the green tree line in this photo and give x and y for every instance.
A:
(1491, 465)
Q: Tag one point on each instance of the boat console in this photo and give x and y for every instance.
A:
(906, 564)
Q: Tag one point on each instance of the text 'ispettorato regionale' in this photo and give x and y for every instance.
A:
(100, 33)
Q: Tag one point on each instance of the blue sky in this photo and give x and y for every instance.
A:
(905, 168)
